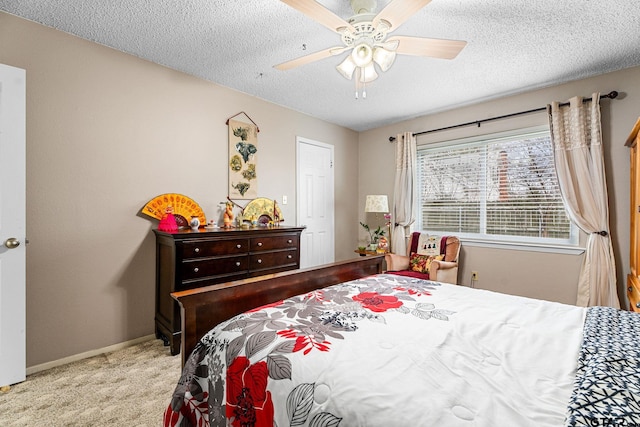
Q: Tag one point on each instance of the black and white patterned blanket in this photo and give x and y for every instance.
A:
(607, 387)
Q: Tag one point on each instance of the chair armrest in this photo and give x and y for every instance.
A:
(396, 262)
(443, 265)
(444, 271)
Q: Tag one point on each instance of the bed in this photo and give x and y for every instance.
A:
(348, 345)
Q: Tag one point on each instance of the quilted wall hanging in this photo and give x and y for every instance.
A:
(243, 159)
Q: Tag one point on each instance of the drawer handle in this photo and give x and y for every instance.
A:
(195, 270)
(196, 250)
(289, 256)
(289, 241)
(259, 261)
(238, 246)
(237, 263)
(259, 243)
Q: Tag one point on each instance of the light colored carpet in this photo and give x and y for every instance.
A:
(128, 387)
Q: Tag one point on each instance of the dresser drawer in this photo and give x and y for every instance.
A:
(207, 248)
(261, 261)
(633, 293)
(199, 268)
(273, 242)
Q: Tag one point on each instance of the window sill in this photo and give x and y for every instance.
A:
(529, 247)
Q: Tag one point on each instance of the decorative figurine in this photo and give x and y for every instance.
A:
(168, 221)
(383, 245)
(276, 214)
(228, 216)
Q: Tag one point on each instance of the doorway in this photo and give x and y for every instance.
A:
(315, 198)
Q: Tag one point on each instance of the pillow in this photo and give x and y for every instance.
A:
(428, 245)
(422, 263)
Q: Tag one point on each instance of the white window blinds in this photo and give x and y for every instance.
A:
(499, 188)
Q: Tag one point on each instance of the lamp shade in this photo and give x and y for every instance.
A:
(347, 67)
(368, 74)
(362, 55)
(377, 203)
(383, 57)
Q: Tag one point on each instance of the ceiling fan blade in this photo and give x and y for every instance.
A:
(311, 58)
(436, 48)
(398, 11)
(319, 13)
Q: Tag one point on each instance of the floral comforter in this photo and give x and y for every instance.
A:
(385, 350)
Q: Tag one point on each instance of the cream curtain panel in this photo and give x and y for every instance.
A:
(577, 141)
(403, 193)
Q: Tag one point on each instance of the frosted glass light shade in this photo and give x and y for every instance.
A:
(362, 55)
(347, 67)
(368, 73)
(383, 57)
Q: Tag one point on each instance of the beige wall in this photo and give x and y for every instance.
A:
(107, 132)
(535, 274)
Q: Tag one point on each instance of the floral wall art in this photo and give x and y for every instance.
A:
(243, 154)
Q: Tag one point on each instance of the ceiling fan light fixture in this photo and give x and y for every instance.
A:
(368, 73)
(383, 57)
(362, 55)
(347, 67)
(365, 34)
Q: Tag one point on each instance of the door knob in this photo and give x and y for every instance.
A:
(12, 243)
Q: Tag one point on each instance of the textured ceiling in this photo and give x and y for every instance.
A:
(513, 46)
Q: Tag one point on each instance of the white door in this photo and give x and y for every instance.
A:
(12, 225)
(315, 202)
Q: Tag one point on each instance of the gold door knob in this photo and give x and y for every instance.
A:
(12, 243)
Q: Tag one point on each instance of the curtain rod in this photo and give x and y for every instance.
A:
(611, 95)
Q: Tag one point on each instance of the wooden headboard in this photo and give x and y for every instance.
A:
(203, 308)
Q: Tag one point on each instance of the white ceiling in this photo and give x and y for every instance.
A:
(513, 46)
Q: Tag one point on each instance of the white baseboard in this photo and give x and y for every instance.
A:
(87, 354)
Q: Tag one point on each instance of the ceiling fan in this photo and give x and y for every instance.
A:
(365, 34)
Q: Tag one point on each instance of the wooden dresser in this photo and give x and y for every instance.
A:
(193, 259)
(633, 278)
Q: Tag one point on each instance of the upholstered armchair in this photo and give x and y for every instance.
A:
(430, 257)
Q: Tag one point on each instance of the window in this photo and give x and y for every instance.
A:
(498, 188)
